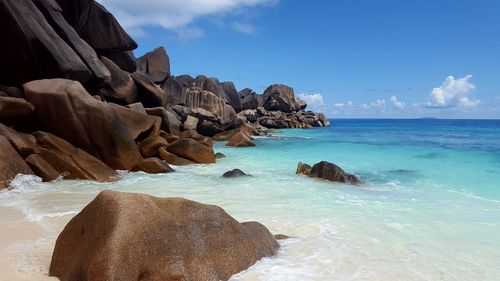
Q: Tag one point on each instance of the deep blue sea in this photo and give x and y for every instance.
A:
(429, 208)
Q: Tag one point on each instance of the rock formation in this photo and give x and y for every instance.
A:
(171, 239)
(327, 171)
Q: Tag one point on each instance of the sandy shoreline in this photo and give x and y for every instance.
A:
(18, 233)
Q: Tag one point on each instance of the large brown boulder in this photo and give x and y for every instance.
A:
(280, 98)
(11, 163)
(155, 64)
(73, 162)
(32, 49)
(191, 149)
(130, 237)
(240, 139)
(172, 158)
(330, 172)
(174, 91)
(107, 131)
(153, 166)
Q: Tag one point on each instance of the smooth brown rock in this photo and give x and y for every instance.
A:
(155, 64)
(71, 161)
(150, 146)
(332, 172)
(42, 168)
(250, 100)
(240, 140)
(138, 107)
(169, 137)
(122, 86)
(11, 163)
(232, 95)
(172, 158)
(123, 59)
(153, 166)
(130, 237)
(209, 129)
(196, 98)
(14, 108)
(23, 143)
(192, 150)
(105, 130)
(225, 136)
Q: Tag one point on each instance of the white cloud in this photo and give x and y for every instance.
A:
(189, 33)
(378, 104)
(176, 15)
(312, 99)
(343, 104)
(454, 93)
(397, 103)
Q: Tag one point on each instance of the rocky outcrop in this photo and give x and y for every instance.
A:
(42, 168)
(172, 158)
(130, 237)
(153, 166)
(106, 131)
(197, 98)
(170, 120)
(155, 64)
(11, 163)
(327, 171)
(149, 94)
(24, 144)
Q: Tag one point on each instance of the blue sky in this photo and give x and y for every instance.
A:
(348, 58)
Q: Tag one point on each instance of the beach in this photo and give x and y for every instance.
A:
(418, 216)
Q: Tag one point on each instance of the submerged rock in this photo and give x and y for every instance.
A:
(236, 173)
(130, 237)
(240, 139)
(303, 169)
(219, 155)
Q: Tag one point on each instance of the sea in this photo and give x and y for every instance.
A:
(429, 208)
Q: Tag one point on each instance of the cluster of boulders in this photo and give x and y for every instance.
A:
(327, 171)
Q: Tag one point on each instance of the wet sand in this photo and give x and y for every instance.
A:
(16, 235)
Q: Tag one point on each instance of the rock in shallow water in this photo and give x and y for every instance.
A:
(327, 171)
(129, 237)
(236, 173)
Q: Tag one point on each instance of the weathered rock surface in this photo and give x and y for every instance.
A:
(42, 168)
(150, 94)
(130, 237)
(190, 149)
(219, 155)
(150, 146)
(327, 171)
(106, 131)
(155, 64)
(153, 166)
(11, 163)
(73, 162)
(240, 139)
(236, 173)
(196, 98)
(170, 121)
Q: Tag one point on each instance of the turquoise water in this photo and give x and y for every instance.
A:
(429, 208)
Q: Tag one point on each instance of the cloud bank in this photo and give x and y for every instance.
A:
(178, 15)
(454, 93)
